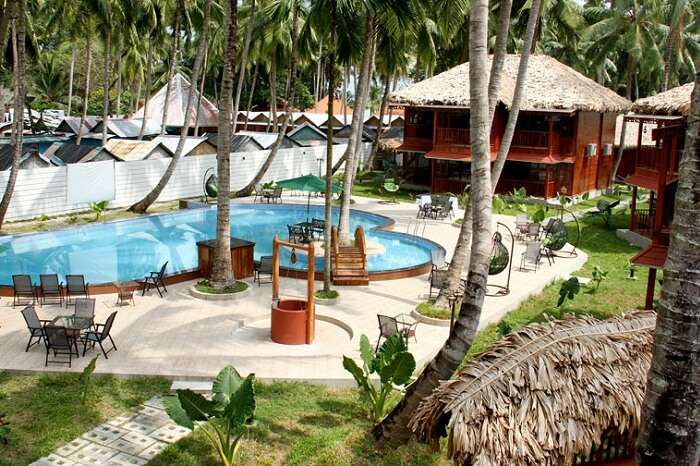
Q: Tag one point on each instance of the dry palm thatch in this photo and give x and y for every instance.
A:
(550, 85)
(544, 394)
(675, 101)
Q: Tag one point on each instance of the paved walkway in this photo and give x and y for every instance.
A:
(188, 339)
(127, 440)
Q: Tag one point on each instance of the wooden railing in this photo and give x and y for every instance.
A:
(422, 131)
(643, 219)
(453, 136)
(523, 138)
(361, 245)
(334, 241)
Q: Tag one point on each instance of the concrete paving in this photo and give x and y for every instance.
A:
(185, 338)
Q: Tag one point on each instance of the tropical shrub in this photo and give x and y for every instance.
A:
(98, 209)
(569, 289)
(597, 277)
(392, 363)
(223, 418)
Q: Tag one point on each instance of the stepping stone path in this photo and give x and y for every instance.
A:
(128, 440)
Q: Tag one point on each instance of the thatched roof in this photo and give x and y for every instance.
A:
(544, 394)
(550, 85)
(675, 101)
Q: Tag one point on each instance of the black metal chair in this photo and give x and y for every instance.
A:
(263, 270)
(22, 289)
(34, 325)
(98, 336)
(85, 308)
(60, 343)
(276, 195)
(259, 193)
(318, 227)
(155, 280)
(50, 288)
(297, 234)
(76, 287)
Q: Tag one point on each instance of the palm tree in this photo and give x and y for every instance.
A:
(48, 81)
(670, 431)
(478, 215)
(5, 15)
(145, 203)
(18, 46)
(681, 42)
(631, 27)
(244, 62)
(148, 21)
(221, 274)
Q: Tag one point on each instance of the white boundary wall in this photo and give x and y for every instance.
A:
(44, 191)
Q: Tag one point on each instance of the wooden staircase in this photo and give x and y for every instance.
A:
(349, 263)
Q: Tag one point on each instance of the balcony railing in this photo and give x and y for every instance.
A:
(523, 138)
(415, 131)
(533, 187)
(453, 136)
(643, 219)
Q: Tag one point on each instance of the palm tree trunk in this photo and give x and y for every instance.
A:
(86, 96)
(5, 15)
(317, 87)
(273, 92)
(222, 274)
(145, 203)
(71, 72)
(105, 77)
(244, 62)
(346, 79)
(365, 102)
(250, 97)
(138, 95)
(344, 221)
(290, 93)
(149, 84)
(670, 430)
(201, 93)
(380, 126)
(171, 70)
(18, 37)
(393, 428)
(328, 206)
(118, 110)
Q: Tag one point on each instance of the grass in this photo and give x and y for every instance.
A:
(617, 294)
(45, 223)
(205, 287)
(299, 424)
(326, 294)
(371, 184)
(429, 309)
(45, 410)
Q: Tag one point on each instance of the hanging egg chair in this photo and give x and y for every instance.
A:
(501, 259)
(211, 185)
(557, 236)
(499, 255)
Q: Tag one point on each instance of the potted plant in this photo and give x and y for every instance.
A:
(326, 297)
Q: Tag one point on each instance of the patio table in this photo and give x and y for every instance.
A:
(73, 325)
(125, 292)
(407, 325)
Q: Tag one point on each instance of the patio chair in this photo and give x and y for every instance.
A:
(59, 343)
(425, 211)
(76, 287)
(318, 227)
(154, 280)
(530, 260)
(50, 288)
(34, 325)
(263, 270)
(389, 326)
(521, 223)
(259, 193)
(438, 279)
(276, 195)
(297, 234)
(85, 308)
(22, 289)
(437, 204)
(98, 336)
(533, 232)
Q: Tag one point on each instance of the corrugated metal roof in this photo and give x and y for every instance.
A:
(129, 150)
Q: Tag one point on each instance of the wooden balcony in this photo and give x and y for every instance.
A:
(452, 137)
(531, 139)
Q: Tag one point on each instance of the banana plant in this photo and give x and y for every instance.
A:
(392, 363)
(223, 418)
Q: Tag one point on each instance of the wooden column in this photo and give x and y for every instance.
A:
(275, 269)
(546, 182)
(651, 285)
(633, 209)
(550, 136)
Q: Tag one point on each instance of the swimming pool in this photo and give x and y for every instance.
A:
(129, 249)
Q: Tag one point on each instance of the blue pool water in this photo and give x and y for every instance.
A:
(129, 249)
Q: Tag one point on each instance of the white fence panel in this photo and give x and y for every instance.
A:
(44, 191)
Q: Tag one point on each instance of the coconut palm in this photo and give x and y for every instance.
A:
(151, 197)
(221, 273)
(681, 44)
(670, 432)
(19, 66)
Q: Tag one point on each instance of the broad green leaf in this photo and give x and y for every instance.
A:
(225, 384)
(242, 404)
(366, 352)
(177, 414)
(357, 373)
(393, 345)
(399, 370)
(195, 405)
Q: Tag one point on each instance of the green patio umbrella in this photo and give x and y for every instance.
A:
(308, 183)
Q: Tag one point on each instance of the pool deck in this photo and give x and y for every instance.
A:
(185, 338)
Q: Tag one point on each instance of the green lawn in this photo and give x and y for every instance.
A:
(301, 424)
(45, 410)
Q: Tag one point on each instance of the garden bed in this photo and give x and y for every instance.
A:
(202, 290)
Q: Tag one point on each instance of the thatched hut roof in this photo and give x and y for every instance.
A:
(550, 85)
(675, 101)
(544, 394)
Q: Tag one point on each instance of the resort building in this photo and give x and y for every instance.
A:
(651, 163)
(563, 141)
